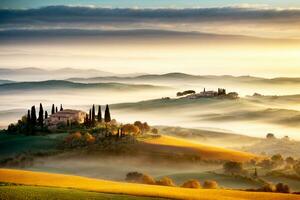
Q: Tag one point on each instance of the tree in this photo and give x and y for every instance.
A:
(277, 159)
(290, 160)
(46, 114)
(270, 136)
(107, 114)
(233, 167)
(93, 115)
(297, 168)
(267, 164)
(210, 184)
(191, 184)
(99, 116)
(146, 127)
(154, 131)
(86, 120)
(61, 108)
(140, 125)
(41, 116)
(52, 110)
(90, 116)
(130, 129)
(33, 119)
(28, 122)
(282, 188)
(56, 110)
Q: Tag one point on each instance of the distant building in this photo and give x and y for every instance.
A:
(64, 117)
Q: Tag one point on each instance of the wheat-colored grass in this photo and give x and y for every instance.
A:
(89, 184)
(206, 152)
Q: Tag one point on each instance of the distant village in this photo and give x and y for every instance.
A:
(191, 94)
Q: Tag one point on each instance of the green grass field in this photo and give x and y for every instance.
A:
(49, 193)
(224, 181)
(12, 145)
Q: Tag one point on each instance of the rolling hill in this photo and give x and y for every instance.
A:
(97, 185)
(173, 145)
(61, 85)
(189, 78)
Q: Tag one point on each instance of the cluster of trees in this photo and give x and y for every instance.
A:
(137, 177)
(92, 119)
(179, 94)
(32, 122)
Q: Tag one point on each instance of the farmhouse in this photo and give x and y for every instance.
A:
(65, 117)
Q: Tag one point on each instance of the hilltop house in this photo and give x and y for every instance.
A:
(64, 117)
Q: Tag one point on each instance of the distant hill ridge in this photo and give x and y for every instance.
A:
(61, 84)
(177, 76)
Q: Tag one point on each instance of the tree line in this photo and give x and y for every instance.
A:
(91, 118)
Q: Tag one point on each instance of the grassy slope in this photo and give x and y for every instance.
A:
(12, 145)
(49, 193)
(65, 181)
(173, 144)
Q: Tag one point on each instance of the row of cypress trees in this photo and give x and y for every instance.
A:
(91, 118)
(33, 121)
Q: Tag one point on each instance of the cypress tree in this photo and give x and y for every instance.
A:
(46, 114)
(61, 108)
(56, 110)
(86, 119)
(52, 110)
(28, 122)
(93, 115)
(90, 115)
(107, 114)
(41, 116)
(99, 116)
(33, 118)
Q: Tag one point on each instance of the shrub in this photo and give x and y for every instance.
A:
(88, 138)
(282, 188)
(146, 179)
(139, 178)
(210, 184)
(232, 167)
(166, 181)
(191, 184)
(268, 188)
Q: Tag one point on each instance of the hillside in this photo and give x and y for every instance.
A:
(60, 85)
(97, 185)
(173, 145)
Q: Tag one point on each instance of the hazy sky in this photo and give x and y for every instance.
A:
(145, 3)
(199, 37)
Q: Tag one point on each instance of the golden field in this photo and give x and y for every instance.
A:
(173, 144)
(96, 185)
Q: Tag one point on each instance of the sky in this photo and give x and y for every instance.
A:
(151, 36)
(146, 3)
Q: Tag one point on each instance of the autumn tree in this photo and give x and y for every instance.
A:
(46, 114)
(130, 129)
(61, 108)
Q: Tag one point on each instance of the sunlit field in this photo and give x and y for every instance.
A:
(168, 143)
(65, 181)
